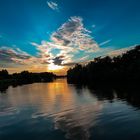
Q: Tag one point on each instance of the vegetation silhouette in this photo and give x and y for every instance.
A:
(24, 77)
(120, 69)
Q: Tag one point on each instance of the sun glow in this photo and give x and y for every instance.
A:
(53, 67)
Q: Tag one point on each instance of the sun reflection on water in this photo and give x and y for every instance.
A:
(72, 110)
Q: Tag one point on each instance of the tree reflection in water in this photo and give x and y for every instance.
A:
(76, 123)
(80, 112)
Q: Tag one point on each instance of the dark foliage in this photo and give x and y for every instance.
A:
(24, 77)
(4, 74)
(120, 69)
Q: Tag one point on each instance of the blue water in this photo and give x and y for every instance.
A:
(61, 111)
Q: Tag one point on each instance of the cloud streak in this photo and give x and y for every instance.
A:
(52, 5)
(120, 51)
(9, 55)
(105, 42)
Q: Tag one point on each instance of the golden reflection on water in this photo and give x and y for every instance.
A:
(73, 110)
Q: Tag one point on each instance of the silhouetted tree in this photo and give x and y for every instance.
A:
(124, 68)
(24, 77)
(4, 74)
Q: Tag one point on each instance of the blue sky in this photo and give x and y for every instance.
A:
(40, 35)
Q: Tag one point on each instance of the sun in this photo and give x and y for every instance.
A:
(53, 67)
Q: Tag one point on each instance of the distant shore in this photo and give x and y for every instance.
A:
(22, 78)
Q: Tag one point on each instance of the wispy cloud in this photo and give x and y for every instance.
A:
(71, 38)
(17, 57)
(52, 5)
(74, 34)
(85, 58)
(11, 56)
(120, 51)
(105, 42)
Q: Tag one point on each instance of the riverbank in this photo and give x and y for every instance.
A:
(23, 78)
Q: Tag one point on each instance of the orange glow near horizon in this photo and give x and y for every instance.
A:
(58, 70)
(53, 67)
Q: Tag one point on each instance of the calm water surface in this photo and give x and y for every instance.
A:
(59, 111)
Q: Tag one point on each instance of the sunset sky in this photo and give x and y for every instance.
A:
(41, 35)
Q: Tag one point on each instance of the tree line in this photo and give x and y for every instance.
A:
(124, 68)
(25, 77)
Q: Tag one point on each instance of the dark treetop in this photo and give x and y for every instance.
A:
(24, 77)
(120, 69)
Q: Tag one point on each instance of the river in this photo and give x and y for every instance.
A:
(61, 111)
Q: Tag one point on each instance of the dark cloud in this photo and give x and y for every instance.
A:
(9, 55)
(58, 60)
